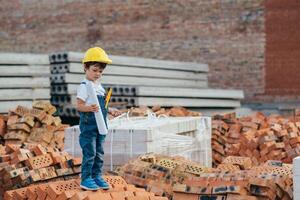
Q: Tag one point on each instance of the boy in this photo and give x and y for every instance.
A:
(93, 115)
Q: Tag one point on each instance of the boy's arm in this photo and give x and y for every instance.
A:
(81, 107)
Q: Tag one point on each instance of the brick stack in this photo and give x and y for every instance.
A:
(235, 178)
(157, 173)
(70, 190)
(158, 110)
(34, 125)
(230, 182)
(29, 164)
(258, 137)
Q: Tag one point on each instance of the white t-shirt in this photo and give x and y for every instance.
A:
(83, 94)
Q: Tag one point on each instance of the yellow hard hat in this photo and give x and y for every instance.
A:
(96, 54)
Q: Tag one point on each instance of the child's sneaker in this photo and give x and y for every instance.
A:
(89, 184)
(101, 183)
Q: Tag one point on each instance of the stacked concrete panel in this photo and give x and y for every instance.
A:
(23, 78)
(296, 178)
(140, 81)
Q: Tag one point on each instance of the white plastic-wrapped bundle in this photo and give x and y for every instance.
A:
(130, 137)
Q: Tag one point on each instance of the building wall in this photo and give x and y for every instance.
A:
(282, 51)
(229, 35)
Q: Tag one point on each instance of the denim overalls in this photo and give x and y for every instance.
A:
(91, 142)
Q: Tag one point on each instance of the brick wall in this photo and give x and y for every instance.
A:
(229, 35)
(282, 50)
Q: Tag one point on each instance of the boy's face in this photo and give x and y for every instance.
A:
(94, 72)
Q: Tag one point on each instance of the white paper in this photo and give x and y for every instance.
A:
(98, 115)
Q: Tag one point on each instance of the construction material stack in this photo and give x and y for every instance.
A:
(131, 137)
(257, 136)
(70, 190)
(23, 79)
(140, 81)
(29, 164)
(235, 179)
(33, 125)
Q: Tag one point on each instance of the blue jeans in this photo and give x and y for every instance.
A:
(91, 143)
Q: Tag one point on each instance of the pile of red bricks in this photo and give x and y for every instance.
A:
(236, 178)
(158, 110)
(258, 137)
(35, 125)
(30, 164)
(70, 190)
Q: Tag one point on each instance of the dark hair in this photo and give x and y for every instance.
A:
(97, 64)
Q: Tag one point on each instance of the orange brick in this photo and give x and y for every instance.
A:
(117, 187)
(19, 126)
(57, 188)
(136, 180)
(10, 148)
(137, 198)
(184, 196)
(156, 190)
(140, 190)
(77, 161)
(195, 181)
(40, 161)
(115, 181)
(98, 195)
(48, 198)
(80, 195)
(158, 198)
(39, 150)
(243, 162)
(142, 194)
(2, 126)
(118, 195)
(41, 191)
(67, 195)
(4, 158)
(130, 187)
(20, 194)
(31, 192)
(129, 194)
(8, 195)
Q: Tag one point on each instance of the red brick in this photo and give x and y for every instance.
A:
(98, 195)
(77, 161)
(31, 192)
(118, 195)
(57, 188)
(115, 181)
(137, 198)
(40, 161)
(20, 194)
(67, 194)
(141, 194)
(41, 191)
(158, 198)
(80, 195)
(184, 196)
(39, 150)
(2, 126)
(8, 195)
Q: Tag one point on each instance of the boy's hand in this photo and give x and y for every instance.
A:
(93, 108)
(114, 112)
